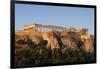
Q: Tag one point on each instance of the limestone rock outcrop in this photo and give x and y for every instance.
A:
(61, 40)
(88, 43)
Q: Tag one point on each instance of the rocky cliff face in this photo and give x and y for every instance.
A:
(88, 43)
(62, 40)
(53, 48)
(53, 40)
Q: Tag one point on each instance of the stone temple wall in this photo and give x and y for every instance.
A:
(47, 28)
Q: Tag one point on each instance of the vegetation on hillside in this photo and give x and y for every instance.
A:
(29, 53)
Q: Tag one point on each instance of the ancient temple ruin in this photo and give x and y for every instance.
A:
(47, 28)
(29, 29)
(42, 28)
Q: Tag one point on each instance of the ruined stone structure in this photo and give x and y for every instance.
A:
(47, 28)
(42, 28)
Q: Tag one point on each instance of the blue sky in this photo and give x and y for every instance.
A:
(54, 15)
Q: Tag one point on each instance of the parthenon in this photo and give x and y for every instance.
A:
(42, 28)
(47, 28)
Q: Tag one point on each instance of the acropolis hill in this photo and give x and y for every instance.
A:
(57, 37)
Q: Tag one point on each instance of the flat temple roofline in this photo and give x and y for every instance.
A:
(42, 26)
